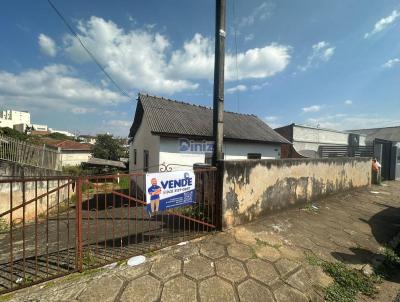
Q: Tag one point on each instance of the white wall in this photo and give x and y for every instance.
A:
(144, 140)
(170, 154)
(6, 123)
(319, 136)
(74, 158)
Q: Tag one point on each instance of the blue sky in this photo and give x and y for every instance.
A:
(335, 64)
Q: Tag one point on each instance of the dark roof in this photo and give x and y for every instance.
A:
(175, 119)
(387, 133)
(106, 162)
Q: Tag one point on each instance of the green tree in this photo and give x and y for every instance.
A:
(60, 136)
(107, 147)
(13, 133)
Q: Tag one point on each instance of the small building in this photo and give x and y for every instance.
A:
(307, 140)
(89, 139)
(72, 153)
(176, 133)
(386, 142)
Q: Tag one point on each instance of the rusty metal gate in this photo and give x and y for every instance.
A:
(53, 226)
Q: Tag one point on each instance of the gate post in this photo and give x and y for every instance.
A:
(219, 195)
(78, 226)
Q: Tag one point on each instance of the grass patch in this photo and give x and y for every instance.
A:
(6, 297)
(347, 282)
(89, 259)
(391, 263)
(260, 242)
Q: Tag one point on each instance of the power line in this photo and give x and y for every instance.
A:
(71, 29)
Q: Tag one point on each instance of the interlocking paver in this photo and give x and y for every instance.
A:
(251, 291)
(212, 250)
(198, 267)
(166, 267)
(143, 289)
(240, 251)
(267, 252)
(130, 273)
(216, 290)
(285, 266)
(230, 269)
(103, 289)
(179, 289)
(286, 293)
(299, 280)
(262, 271)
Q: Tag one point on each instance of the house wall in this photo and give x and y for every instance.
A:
(74, 158)
(144, 140)
(170, 154)
(305, 138)
(253, 188)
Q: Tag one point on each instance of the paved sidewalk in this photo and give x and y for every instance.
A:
(262, 261)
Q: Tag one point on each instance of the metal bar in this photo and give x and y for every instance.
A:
(23, 228)
(11, 237)
(36, 232)
(58, 226)
(33, 199)
(78, 207)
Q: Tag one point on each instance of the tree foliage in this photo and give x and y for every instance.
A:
(107, 147)
(60, 136)
(13, 133)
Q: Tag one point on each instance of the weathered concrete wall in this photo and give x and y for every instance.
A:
(252, 188)
(13, 193)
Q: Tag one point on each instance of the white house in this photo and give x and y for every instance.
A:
(72, 153)
(180, 134)
(9, 118)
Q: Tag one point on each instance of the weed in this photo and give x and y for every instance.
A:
(347, 282)
(4, 225)
(390, 264)
(260, 242)
(89, 259)
(151, 254)
(253, 253)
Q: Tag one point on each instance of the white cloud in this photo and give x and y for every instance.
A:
(348, 102)
(82, 110)
(350, 122)
(54, 87)
(238, 88)
(249, 37)
(313, 108)
(145, 60)
(47, 45)
(119, 123)
(259, 86)
(321, 52)
(391, 63)
(272, 121)
(383, 23)
(261, 12)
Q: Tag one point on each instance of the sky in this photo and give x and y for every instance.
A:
(332, 64)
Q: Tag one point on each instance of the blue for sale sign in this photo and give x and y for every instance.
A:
(169, 190)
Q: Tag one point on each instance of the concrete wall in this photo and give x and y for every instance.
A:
(10, 170)
(253, 188)
(74, 158)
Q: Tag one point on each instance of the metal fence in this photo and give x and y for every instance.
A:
(54, 226)
(24, 153)
(345, 151)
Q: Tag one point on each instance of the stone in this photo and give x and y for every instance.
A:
(285, 266)
(318, 277)
(223, 238)
(251, 291)
(268, 253)
(231, 269)
(212, 250)
(102, 289)
(240, 251)
(146, 289)
(198, 267)
(286, 293)
(166, 267)
(291, 252)
(216, 290)
(299, 280)
(179, 289)
(262, 271)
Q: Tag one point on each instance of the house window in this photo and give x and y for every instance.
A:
(253, 155)
(134, 156)
(146, 160)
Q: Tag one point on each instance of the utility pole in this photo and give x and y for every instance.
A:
(219, 64)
